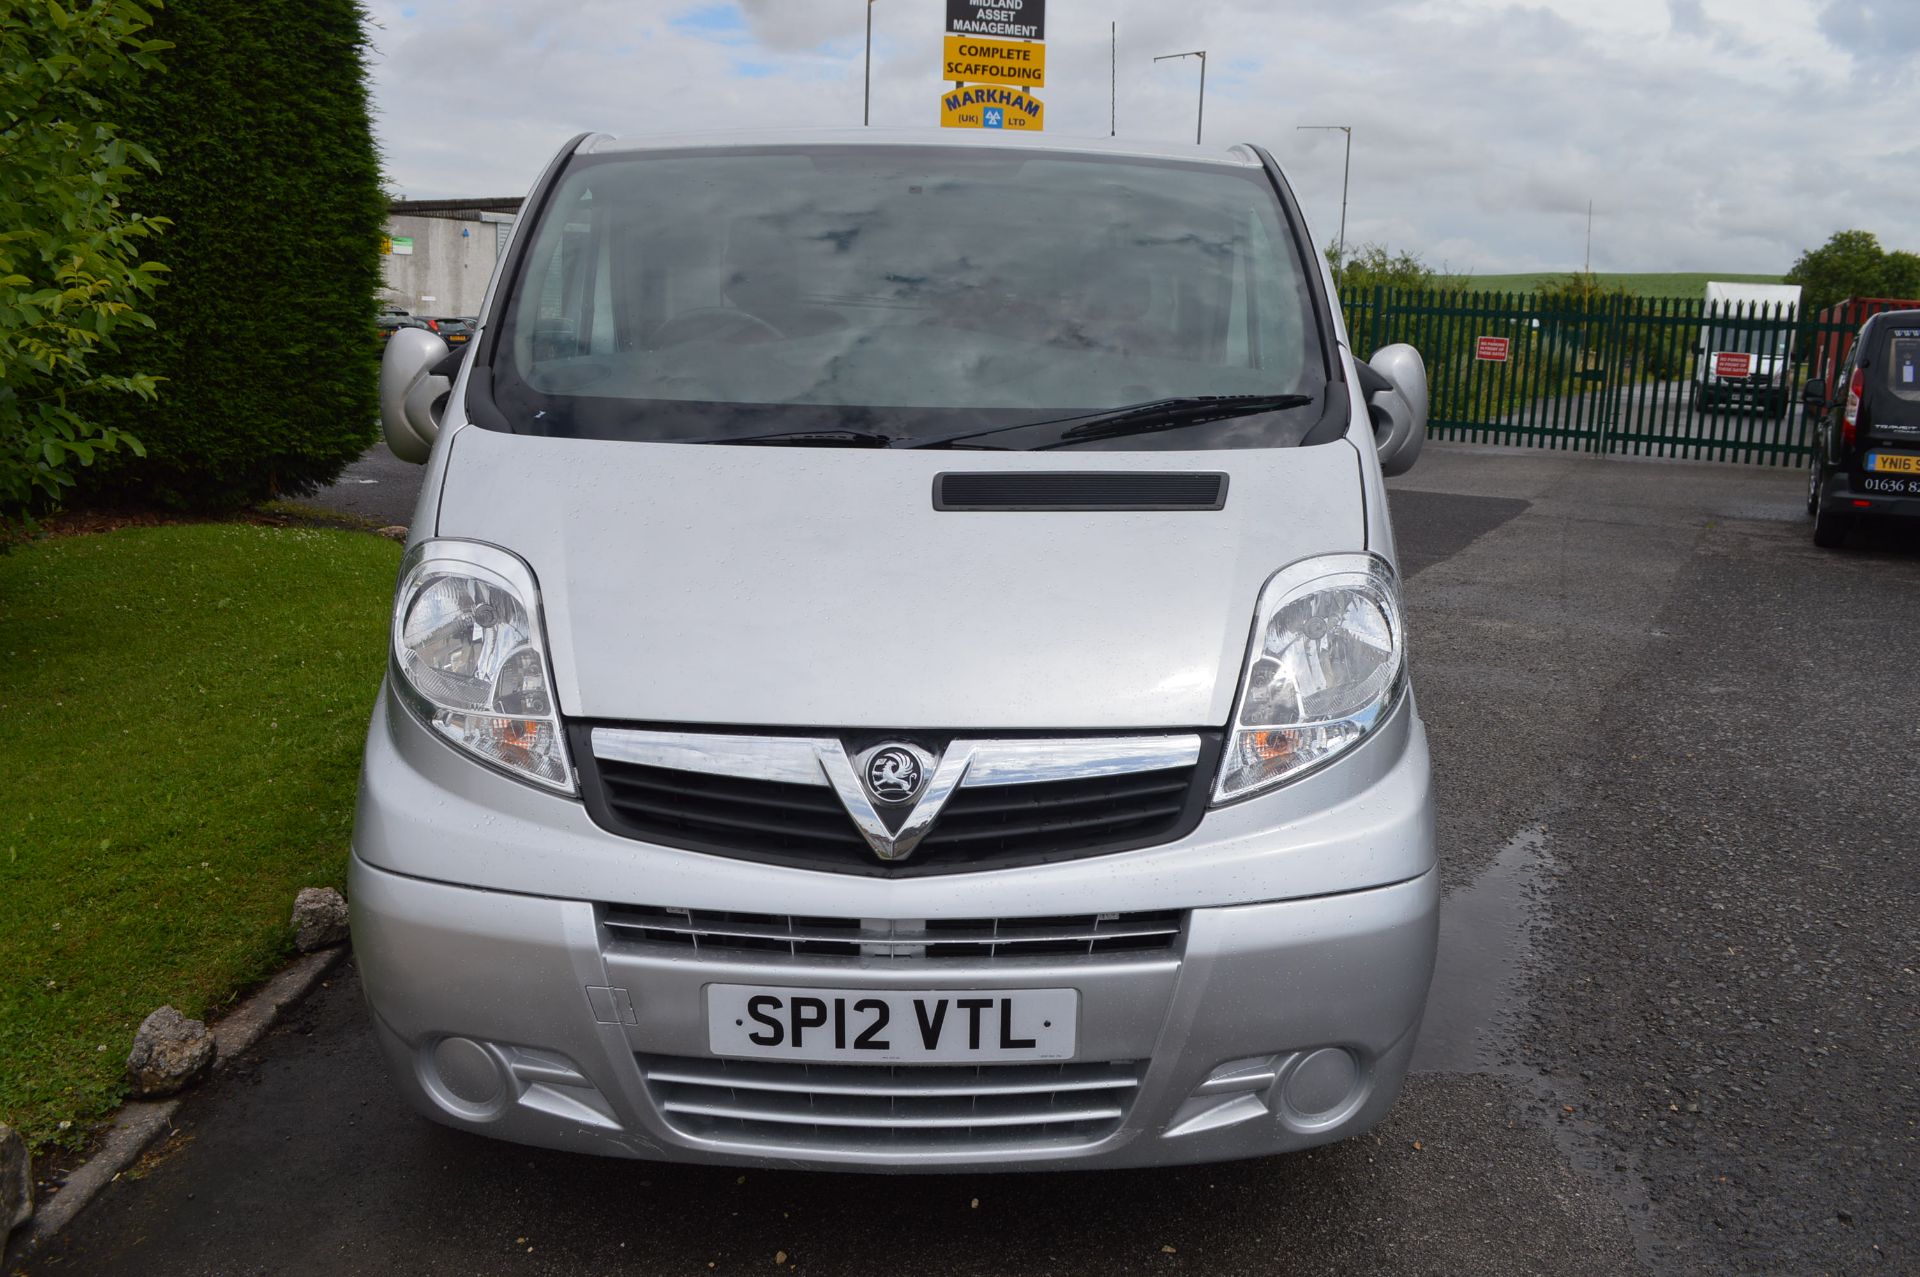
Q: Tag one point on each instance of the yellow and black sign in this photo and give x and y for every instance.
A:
(976, 61)
(985, 106)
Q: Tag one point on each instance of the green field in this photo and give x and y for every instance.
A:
(185, 708)
(1681, 284)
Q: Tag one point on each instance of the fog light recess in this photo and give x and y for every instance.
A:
(1321, 1089)
(466, 1078)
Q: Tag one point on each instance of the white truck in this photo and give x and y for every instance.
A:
(1746, 345)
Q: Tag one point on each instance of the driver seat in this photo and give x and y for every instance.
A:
(763, 278)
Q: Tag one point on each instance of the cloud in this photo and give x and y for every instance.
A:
(1880, 34)
(1687, 17)
(1481, 127)
(801, 24)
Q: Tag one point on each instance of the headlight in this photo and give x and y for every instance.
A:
(1327, 660)
(470, 658)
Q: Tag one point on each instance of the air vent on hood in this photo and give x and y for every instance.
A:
(1080, 490)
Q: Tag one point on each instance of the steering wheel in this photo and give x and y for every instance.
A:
(714, 323)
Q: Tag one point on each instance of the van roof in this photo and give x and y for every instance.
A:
(1718, 290)
(1236, 156)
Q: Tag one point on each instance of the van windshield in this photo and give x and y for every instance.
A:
(907, 294)
(1753, 339)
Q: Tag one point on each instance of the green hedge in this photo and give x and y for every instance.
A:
(264, 333)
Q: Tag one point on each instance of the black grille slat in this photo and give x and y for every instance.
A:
(661, 803)
(981, 826)
(657, 788)
(1012, 798)
(1067, 828)
(776, 822)
(662, 786)
(1065, 815)
(980, 842)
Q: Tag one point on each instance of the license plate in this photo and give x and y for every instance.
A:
(1891, 463)
(892, 1026)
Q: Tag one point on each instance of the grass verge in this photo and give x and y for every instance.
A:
(185, 707)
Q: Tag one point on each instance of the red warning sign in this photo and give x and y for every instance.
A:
(1729, 363)
(1494, 350)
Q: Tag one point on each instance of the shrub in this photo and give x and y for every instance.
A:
(265, 332)
(1371, 266)
(71, 273)
(1853, 264)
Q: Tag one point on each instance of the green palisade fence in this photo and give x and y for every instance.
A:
(1619, 375)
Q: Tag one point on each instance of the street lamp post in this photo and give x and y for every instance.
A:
(866, 104)
(1345, 175)
(1200, 121)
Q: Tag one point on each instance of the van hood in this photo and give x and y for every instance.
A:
(820, 588)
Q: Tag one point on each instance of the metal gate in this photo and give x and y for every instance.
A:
(1641, 376)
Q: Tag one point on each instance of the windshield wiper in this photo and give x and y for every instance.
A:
(810, 439)
(1140, 418)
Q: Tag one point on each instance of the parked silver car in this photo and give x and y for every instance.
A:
(899, 664)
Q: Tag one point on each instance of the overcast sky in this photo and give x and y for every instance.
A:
(1714, 135)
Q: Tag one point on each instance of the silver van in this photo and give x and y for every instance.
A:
(899, 664)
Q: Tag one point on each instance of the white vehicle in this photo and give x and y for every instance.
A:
(1746, 345)
(900, 665)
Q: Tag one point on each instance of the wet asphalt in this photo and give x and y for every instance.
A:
(1673, 1028)
(379, 488)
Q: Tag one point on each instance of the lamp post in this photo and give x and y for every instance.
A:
(1345, 175)
(866, 103)
(1200, 121)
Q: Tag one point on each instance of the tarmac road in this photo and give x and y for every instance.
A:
(379, 487)
(1673, 1029)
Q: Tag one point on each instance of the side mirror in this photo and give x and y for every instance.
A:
(1814, 393)
(1395, 382)
(411, 395)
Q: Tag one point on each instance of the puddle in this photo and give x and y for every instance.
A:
(1485, 935)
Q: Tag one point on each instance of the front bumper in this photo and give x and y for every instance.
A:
(1745, 390)
(1282, 1015)
(1268, 1027)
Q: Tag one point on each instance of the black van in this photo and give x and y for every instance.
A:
(1866, 459)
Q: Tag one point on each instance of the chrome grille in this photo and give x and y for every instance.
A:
(796, 800)
(869, 1107)
(720, 932)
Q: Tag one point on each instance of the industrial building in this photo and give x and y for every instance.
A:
(438, 255)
